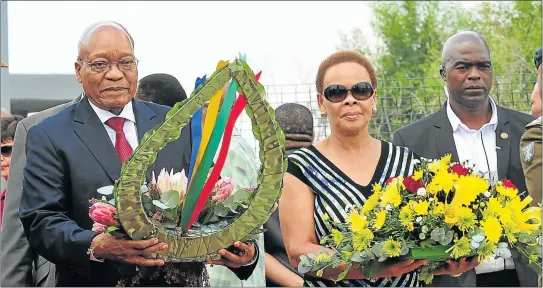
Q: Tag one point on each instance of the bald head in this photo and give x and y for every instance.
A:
(461, 38)
(90, 30)
(4, 112)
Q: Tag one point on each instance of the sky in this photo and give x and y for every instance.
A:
(286, 40)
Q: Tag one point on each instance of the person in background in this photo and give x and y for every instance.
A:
(296, 121)
(472, 127)
(530, 142)
(8, 136)
(163, 89)
(4, 113)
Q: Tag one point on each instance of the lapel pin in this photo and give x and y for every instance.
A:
(504, 135)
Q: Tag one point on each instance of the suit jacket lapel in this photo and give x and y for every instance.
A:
(444, 135)
(145, 118)
(91, 131)
(502, 131)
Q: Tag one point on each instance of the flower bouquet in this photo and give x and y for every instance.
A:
(443, 211)
(196, 212)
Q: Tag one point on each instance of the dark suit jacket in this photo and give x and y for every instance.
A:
(69, 156)
(432, 137)
(21, 265)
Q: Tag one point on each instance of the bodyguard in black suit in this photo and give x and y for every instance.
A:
(470, 126)
(73, 153)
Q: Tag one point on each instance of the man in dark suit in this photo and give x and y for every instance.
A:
(471, 126)
(73, 153)
(21, 265)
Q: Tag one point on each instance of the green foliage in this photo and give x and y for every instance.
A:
(407, 55)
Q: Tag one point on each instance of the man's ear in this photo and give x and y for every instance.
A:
(77, 66)
(442, 72)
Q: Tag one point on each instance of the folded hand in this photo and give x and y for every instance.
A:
(128, 251)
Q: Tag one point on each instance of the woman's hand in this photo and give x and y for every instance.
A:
(397, 269)
(456, 268)
(234, 261)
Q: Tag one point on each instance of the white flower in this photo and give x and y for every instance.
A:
(415, 161)
(418, 219)
(431, 199)
(421, 191)
(424, 229)
(487, 194)
(422, 236)
(388, 207)
(170, 181)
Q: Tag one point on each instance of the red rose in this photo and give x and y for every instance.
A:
(459, 170)
(508, 184)
(389, 180)
(411, 185)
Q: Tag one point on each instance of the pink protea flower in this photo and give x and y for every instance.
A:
(222, 190)
(103, 213)
(98, 228)
(171, 181)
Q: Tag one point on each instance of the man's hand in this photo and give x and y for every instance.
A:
(456, 268)
(232, 260)
(397, 269)
(128, 251)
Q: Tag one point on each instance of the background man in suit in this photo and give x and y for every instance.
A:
(470, 126)
(73, 153)
(21, 265)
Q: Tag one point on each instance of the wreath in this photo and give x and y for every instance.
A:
(197, 243)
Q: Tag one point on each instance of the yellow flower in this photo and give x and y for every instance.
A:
(466, 219)
(391, 195)
(376, 189)
(406, 216)
(371, 203)
(337, 237)
(410, 227)
(467, 188)
(442, 181)
(438, 209)
(440, 165)
(461, 248)
(392, 247)
(450, 215)
(319, 273)
(527, 220)
(417, 175)
(325, 217)
(510, 230)
(362, 239)
(323, 258)
(421, 208)
(506, 191)
(492, 228)
(380, 219)
(494, 207)
(357, 221)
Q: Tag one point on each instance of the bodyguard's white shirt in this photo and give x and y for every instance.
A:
(479, 148)
(129, 127)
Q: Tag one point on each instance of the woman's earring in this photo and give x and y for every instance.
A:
(323, 114)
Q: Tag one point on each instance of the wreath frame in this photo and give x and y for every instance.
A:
(198, 248)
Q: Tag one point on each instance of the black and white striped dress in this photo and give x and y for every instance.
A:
(334, 191)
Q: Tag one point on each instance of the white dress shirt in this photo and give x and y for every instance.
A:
(478, 147)
(129, 128)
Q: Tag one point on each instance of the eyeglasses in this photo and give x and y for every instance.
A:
(6, 151)
(125, 65)
(337, 93)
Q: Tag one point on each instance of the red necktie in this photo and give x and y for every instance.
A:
(121, 144)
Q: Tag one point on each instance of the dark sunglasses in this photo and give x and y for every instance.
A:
(337, 93)
(6, 150)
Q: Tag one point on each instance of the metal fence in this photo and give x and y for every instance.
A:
(399, 102)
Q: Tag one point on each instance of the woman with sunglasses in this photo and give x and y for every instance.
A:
(325, 179)
(8, 136)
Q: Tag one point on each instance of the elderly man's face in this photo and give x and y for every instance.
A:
(115, 86)
(469, 74)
